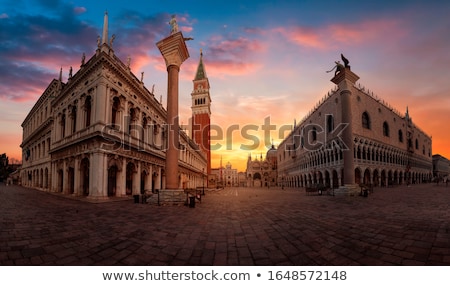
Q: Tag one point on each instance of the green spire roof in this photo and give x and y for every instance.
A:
(201, 72)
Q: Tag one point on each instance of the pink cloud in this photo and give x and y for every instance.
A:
(342, 34)
(79, 10)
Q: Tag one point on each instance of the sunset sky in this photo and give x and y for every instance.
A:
(265, 60)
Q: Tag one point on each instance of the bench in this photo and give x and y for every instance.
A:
(319, 189)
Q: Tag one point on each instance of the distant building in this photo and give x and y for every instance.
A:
(103, 134)
(441, 166)
(353, 137)
(263, 172)
(242, 179)
(225, 176)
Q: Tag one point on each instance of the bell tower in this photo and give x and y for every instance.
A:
(201, 112)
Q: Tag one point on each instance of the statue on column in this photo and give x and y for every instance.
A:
(173, 25)
(340, 67)
(346, 62)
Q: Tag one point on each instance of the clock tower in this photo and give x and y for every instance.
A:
(201, 112)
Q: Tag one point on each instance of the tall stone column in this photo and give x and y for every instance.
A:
(174, 51)
(345, 80)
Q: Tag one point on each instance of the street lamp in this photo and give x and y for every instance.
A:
(203, 177)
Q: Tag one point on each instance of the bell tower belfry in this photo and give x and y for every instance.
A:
(201, 112)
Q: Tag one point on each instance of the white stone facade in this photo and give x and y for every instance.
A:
(102, 134)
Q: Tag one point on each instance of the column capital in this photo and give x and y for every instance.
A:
(344, 78)
(173, 49)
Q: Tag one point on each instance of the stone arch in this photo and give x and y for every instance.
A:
(112, 180)
(327, 179)
(130, 172)
(366, 177)
(358, 176)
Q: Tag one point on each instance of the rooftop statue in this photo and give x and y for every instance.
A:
(340, 67)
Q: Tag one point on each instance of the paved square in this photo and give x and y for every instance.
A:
(234, 226)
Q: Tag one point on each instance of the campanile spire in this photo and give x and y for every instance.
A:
(201, 111)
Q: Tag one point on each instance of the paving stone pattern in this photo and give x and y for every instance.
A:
(233, 226)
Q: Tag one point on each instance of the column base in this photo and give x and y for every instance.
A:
(347, 190)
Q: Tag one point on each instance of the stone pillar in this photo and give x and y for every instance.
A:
(97, 174)
(121, 188)
(174, 51)
(148, 179)
(100, 104)
(136, 187)
(345, 80)
(77, 177)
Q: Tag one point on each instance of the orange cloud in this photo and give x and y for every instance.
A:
(341, 34)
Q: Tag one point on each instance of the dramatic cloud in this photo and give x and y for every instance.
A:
(32, 48)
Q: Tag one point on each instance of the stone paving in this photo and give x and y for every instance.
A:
(233, 226)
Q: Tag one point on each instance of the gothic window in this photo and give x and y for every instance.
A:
(400, 136)
(314, 134)
(417, 144)
(330, 123)
(385, 129)
(365, 120)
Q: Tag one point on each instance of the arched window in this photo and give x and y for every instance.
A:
(365, 120)
(115, 110)
(63, 125)
(400, 136)
(385, 129)
(417, 144)
(73, 115)
(132, 117)
(144, 126)
(88, 108)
